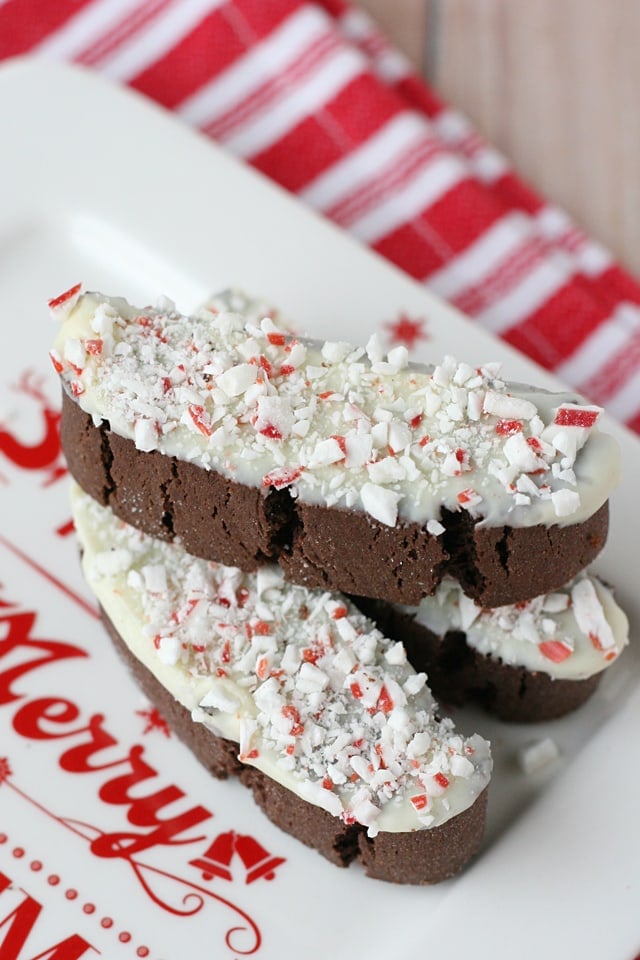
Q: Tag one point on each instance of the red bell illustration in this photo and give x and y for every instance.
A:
(216, 860)
(257, 862)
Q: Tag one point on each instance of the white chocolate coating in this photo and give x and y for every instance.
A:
(570, 634)
(311, 691)
(338, 425)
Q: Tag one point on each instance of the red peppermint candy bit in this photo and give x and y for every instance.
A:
(76, 388)
(225, 653)
(56, 360)
(311, 655)
(271, 432)
(534, 443)
(265, 365)
(420, 801)
(249, 756)
(339, 613)
(242, 595)
(570, 417)
(505, 428)
(597, 643)
(286, 370)
(326, 395)
(416, 421)
(94, 347)
(261, 628)
(356, 691)
(166, 384)
(327, 783)
(281, 477)
(262, 668)
(466, 496)
(385, 703)
(442, 780)
(67, 295)
(291, 713)
(342, 443)
(200, 418)
(277, 339)
(424, 440)
(554, 650)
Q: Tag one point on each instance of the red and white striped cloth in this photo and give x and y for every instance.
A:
(312, 95)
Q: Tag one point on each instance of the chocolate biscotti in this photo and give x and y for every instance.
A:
(528, 662)
(354, 471)
(299, 695)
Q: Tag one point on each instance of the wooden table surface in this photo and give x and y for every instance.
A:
(555, 84)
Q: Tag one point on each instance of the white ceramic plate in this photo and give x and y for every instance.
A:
(99, 186)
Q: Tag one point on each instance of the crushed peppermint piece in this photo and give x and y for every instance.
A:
(575, 416)
(62, 305)
(381, 503)
(435, 528)
(535, 756)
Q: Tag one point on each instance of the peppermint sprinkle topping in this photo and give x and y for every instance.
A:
(337, 425)
(573, 633)
(313, 693)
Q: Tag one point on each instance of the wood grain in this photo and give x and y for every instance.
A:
(555, 85)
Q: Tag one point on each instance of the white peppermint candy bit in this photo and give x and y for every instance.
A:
(435, 528)
(220, 697)
(237, 380)
(381, 503)
(537, 755)
(326, 452)
(508, 407)
(145, 435)
(565, 502)
(169, 650)
(590, 616)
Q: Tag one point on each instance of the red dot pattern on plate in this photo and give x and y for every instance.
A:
(71, 894)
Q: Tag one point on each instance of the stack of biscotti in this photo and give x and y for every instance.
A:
(233, 475)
